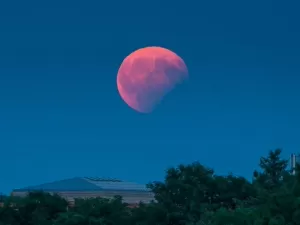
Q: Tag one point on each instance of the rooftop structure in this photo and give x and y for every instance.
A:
(90, 187)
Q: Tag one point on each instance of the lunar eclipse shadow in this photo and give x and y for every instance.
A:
(175, 101)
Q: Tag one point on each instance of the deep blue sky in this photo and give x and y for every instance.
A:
(61, 115)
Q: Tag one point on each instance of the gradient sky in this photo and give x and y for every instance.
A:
(61, 115)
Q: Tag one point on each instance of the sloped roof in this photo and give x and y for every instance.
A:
(86, 184)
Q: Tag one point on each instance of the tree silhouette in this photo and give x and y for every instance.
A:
(189, 195)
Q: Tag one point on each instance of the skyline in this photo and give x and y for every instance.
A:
(61, 115)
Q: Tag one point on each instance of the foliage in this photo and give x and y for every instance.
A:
(189, 195)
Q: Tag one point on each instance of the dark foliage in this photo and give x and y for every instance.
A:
(189, 195)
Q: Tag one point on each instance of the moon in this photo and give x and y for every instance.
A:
(147, 75)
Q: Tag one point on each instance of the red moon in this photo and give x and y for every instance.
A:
(147, 75)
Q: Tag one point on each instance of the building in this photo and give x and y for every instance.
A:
(295, 159)
(91, 187)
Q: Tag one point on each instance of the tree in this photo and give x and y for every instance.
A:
(273, 171)
(96, 211)
(191, 190)
(185, 192)
(37, 208)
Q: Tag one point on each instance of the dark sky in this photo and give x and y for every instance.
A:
(61, 115)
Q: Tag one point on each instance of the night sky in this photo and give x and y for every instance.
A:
(61, 115)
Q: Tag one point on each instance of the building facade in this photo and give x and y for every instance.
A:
(294, 159)
(92, 187)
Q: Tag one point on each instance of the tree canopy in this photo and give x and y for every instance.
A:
(189, 195)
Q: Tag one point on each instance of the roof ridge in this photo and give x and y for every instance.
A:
(104, 179)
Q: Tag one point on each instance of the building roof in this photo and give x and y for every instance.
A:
(86, 184)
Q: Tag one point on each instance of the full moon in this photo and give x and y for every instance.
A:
(147, 75)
